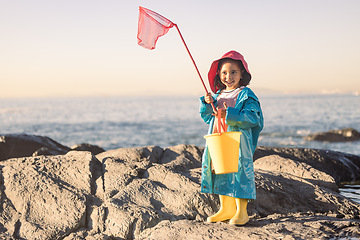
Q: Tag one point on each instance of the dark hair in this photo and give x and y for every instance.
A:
(245, 76)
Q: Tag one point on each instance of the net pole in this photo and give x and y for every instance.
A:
(192, 59)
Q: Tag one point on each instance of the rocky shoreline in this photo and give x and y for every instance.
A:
(341, 135)
(154, 193)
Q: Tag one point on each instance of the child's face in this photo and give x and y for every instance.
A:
(230, 75)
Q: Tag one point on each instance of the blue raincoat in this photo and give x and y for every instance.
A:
(246, 117)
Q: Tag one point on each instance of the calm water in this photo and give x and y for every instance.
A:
(114, 122)
(351, 190)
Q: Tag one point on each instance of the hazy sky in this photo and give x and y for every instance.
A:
(87, 47)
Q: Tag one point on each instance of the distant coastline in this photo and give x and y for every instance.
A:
(156, 93)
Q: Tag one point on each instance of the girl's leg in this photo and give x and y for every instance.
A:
(241, 217)
(226, 211)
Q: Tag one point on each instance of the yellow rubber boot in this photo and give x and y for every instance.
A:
(226, 211)
(241, 217)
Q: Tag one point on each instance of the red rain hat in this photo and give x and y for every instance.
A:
(214, 68)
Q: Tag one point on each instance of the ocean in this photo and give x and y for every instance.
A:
(115, 122)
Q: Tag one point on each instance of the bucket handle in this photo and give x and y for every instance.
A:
(220, 123)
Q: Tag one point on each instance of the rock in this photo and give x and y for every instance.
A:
(343, 135)
(46, 197)
(342, 167)
(147, 185)
(44, 151)
(300, 226)
(88, 147)
(154, 193)
(283, 193)
(23, 145)
(275, 163)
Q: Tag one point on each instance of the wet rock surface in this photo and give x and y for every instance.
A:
(154, 193)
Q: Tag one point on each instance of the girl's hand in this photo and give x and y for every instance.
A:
(223, 111)
(208, 98)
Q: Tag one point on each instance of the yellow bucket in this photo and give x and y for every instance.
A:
(224, 151)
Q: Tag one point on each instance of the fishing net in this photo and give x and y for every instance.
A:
(151, 26)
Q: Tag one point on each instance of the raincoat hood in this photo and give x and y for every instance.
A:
(214, 68)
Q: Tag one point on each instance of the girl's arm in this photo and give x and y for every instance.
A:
(206, 110)
(247, 117)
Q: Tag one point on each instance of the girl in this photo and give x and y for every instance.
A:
(240, 111)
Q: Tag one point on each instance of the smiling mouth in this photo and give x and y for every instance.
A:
(229, 82)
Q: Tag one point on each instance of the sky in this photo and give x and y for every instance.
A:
(75, 48)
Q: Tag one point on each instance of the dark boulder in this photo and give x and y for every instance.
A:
(88, 147)
(44, 151)
(23, 145)
(342, 135)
